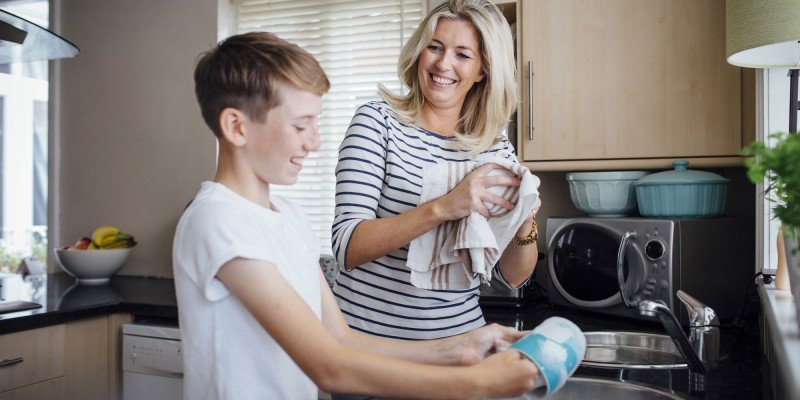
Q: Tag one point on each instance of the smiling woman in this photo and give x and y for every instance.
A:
(458, 69)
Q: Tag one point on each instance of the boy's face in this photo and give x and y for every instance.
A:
(277, 148)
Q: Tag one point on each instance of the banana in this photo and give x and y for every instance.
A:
(108, 241)
(111, 237)
(121, 244)
(102, 233)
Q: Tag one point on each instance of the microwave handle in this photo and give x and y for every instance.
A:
(623, 245)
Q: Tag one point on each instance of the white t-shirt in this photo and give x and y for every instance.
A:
(226, 352)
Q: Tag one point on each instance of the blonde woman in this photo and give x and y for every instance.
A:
(459, 70)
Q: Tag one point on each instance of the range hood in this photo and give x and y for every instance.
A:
(22, 40)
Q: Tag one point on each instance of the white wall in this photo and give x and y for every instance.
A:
(131, 148)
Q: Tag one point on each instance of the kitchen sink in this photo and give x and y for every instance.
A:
(580, 388)
(583, 388)
(631, 350)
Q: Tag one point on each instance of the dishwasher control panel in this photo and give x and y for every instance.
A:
(152, 349)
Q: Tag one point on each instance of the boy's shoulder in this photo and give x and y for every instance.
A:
(211, 197)
(213, 206)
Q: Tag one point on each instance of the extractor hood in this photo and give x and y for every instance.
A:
(22, 40)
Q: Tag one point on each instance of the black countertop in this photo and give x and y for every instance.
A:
(63, 300)
(738, 376)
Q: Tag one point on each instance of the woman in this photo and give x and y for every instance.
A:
(459, 69)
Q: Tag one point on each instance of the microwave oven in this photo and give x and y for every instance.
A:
(711, 259)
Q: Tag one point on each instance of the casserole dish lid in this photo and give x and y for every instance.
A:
(680, 175)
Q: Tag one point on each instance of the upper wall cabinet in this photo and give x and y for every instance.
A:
(627, 84)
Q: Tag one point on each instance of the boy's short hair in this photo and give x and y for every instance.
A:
(244, 71)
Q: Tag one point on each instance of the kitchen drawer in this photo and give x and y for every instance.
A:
(41, 352)
(52, 389)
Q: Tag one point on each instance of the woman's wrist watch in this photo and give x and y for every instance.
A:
(532, 236)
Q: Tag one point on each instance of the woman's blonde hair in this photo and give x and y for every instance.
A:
(489, 103)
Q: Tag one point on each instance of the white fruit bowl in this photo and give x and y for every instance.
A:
(91, 267)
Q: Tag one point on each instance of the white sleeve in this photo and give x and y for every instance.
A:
(209, 240)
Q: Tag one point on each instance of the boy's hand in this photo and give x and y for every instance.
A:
(505, 374)
(475, 345)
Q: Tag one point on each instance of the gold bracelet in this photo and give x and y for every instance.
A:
(532, 236)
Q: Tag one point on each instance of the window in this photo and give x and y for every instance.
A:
(357, 43)
(774, 97)
(23, 150)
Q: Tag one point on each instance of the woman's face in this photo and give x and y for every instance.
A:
(450, 65)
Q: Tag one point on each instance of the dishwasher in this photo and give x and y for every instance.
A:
(152, 362)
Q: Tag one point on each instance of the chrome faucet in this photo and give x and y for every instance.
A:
(701, 348)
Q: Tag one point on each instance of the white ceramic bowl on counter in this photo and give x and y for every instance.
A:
(604, 194)
(91, 267)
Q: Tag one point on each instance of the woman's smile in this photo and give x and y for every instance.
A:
(442, 81)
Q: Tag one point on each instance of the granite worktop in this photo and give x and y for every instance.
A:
(63, 300)
(739, 375)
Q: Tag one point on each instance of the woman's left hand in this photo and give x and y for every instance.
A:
(535, 210)
(475, 345)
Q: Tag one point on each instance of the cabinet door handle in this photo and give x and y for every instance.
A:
(530, 100)
(10, 362)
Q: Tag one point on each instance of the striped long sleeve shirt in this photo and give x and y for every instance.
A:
(379, 175)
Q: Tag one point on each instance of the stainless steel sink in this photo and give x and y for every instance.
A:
(580, 388)
(583, 388)
(631, 350)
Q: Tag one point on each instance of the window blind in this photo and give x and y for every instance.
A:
(357, 43)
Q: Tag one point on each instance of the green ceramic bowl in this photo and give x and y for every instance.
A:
(681, 193)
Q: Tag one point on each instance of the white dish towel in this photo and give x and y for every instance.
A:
(452, 255)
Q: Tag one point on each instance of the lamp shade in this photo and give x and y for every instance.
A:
(762, 33)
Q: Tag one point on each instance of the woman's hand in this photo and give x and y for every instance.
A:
(505, 374)
(536, 206)
(471, 193)
(475, 345)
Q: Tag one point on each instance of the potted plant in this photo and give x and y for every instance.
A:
(781, 165)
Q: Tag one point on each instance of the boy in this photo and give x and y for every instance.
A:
(257, 318)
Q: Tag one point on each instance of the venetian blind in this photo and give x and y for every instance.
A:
(357, 42)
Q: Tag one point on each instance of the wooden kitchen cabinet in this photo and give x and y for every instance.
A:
(626, 84)
(51, 389)
(32, 356)
(77, 360)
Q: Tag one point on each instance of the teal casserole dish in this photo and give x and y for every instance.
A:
(681, 193)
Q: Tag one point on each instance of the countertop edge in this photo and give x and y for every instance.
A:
(780, 315)
(34, 321)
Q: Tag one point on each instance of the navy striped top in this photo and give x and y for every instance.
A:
(379, 175)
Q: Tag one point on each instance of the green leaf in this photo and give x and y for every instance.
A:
(780, 164)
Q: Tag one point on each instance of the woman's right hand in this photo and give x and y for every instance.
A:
(506, 374)
(471, 193)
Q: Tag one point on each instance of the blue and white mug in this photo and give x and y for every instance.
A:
(557, 347)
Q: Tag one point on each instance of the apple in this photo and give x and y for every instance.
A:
(82, 243)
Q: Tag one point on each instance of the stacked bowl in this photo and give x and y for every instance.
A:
(604, 194)
(679, 193)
